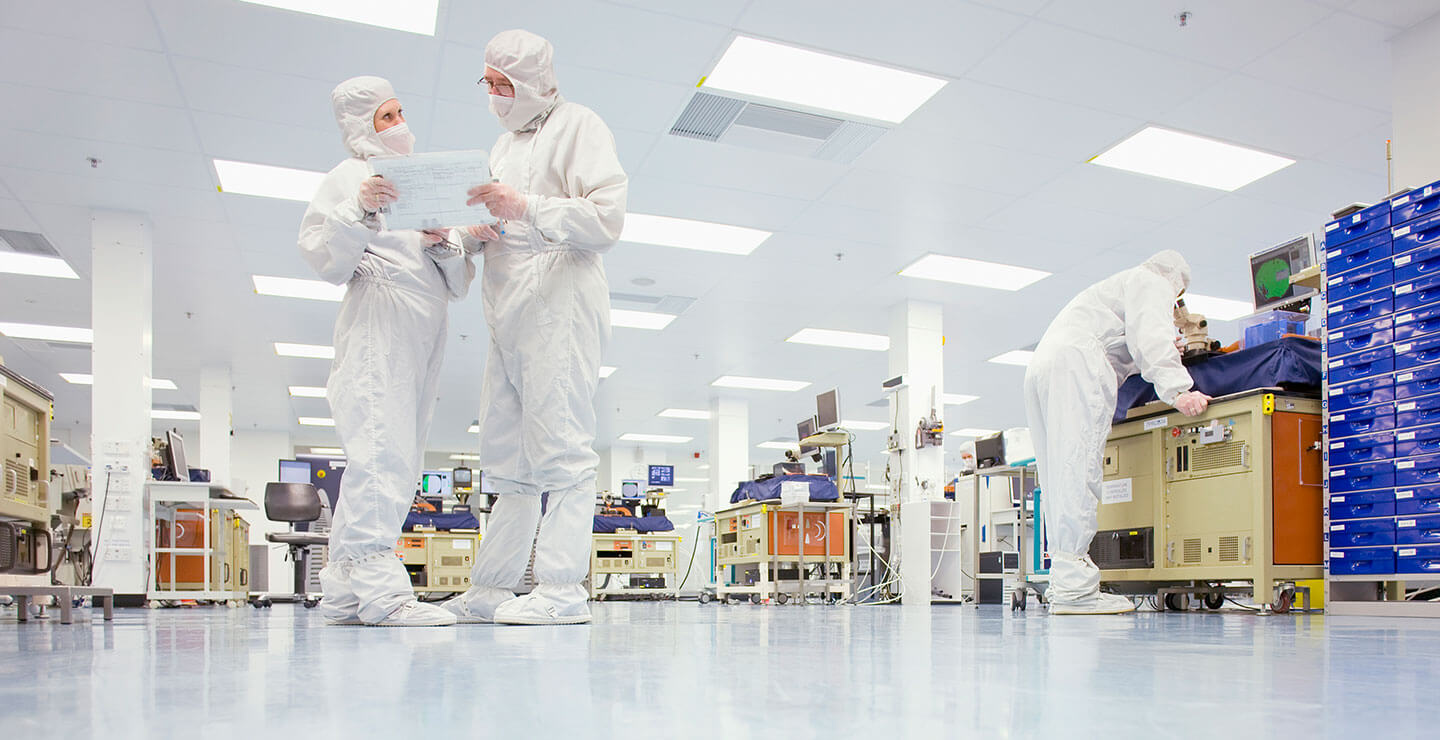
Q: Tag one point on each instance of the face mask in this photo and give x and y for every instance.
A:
(398, 139)
(501, 105)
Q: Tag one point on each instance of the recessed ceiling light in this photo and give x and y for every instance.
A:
(47, 333)
(307, 391)
(1218, 309)
(156, 384)
(956, 399)
(777, 445)
(864, 426)
(326, 451)
(35, 265)
(463, 456)
(844, 339)
(640, 319)
(964, 271)
(667, 231)
(316, 421)
(267, 181)
(657, 438)
(758, 384)
(311, 351)
(1019, 357)
(606, 371)
(1173, 155)
(692, 480)
(685, 414)
(765, 69)
(315, 290)
(973, 432)
(474, 429)
(174, 415)
(412, 16)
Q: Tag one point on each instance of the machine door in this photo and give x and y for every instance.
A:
(1299, 496)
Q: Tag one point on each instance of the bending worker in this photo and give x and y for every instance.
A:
(561, 197)
(1114, 328)
(389, 341)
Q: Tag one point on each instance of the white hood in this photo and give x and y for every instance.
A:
(529, 61)
(1171, 266)
(355, 102)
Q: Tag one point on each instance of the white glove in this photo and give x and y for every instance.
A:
(377, 192)
(503, 202)
(1192, 403)
(482, 233)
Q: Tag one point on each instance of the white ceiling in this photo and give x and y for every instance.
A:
(992, 168)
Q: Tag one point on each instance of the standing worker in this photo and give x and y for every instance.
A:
(1114, 328)
(560, 193)
(389, 341)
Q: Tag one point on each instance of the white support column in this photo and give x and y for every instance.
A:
(216, 408)
(1415, 109)
(120, 399)
(729, 449)
(916, 352)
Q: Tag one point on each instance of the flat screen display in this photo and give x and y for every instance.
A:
(827, 410)
(662, 475)
(1271, 269)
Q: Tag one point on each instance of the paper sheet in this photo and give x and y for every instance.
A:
(1117, 491)
(433, 189)
(794, 492)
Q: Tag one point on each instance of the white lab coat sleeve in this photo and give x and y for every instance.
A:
(335, 232)
(457, 270)
(1150, 335)
(594, 217)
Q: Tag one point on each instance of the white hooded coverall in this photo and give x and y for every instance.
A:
(1120, 325)
(547, 303)
(389, 341)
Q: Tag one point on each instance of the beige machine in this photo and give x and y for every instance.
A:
(759, 552)
(645, 564)
(227, 556)
(25, 411)
(1191, 504)
(439, 562)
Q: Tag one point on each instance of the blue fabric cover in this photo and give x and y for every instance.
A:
(821, 488)
(656, 523)
(442, 522)
(1291, 363)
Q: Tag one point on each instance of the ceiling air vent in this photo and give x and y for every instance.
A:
(772, 128)
(25, 242)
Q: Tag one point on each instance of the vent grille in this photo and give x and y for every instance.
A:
(849, 142)
(1217, 456)
(654, 562)
(450, 561)
(1191, 551)
(791, 122)
(707, 117)
(1229, 549)
(26, 242)
(718, 118)
(16, 475)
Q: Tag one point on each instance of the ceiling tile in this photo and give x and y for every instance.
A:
(100, 119)
(114, 22)
(87, 67)
(1342, 57)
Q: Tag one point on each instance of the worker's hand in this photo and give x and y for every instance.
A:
(376, 193)
(482, 232)
(432, 236)
(503, 201)
(1192, 403)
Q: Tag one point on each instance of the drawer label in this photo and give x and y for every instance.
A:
(1336, 281)
(1337, 445)
(1402, 231)
(1407, 406)
(1406, 465)
(1404, 347)
(1337, 417)
(1402, 200)
(1163, 421)
(1337, 499)
(1337, 555)
(1407, 552)
(1337, 363)
(1404, 494)
(1405, 436)
(1337, 335)
(1403, 261)
(1332, 254)
(1404, 318)
(1338, 473)
(1356, 218)
(1405, 289)
(1405, 377)
(1407, 523)
(1337, 527)
(1332, 226)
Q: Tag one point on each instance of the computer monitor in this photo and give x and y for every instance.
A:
(462, 480)
(803, 430)
(294, 471)
(630, 489)
(827, 410)
(1270, 272)
(662, 475)
(436, 483)
(175, 456)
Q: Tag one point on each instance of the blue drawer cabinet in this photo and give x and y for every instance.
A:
(1357, 225)
(1362, 505)
(1417, 203)
(1419, 263)
(1417, 530)
(1417, 323)
(1362, 561)
(1362, 532)
(1417, 412)
(1363, 477)
(1360, 337)
(1368, 448)
(1418, 500)
(1421, 559)
(1418, 442)
(1362, 365)
(1413, 294)
(1357, 253)
(1357, 422)
(1417, 471)
(1368, 307)
(1422, 351)
(1370, 278)
(1419, 381)
(1367, 392)
(1418, 233)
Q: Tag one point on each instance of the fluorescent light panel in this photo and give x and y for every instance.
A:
(1218, 309)
(864, 426)
(411, 16)
(692, 480)
(765, 69)
(174, 415)
(777, 445)
(758, 384)
(307, 391)
(316, 421)
(657, 438)
(843, 339)
(704, 236)
(156, 384)
(1019, 357)
(315, 290)
(640, 319)
(474, 429)
(326, 451)
(47, 333)
(464, 457)
(606, 371)
(35, 265)
(310, 351)
(1192, 159)
(957, 399)
(963, 271)
(973, 432)
(267, 181)
(702, 467)
(684, 414)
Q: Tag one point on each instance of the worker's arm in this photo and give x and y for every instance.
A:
(336, 230)
(458, 270)
(1150, 334)
(595, 215)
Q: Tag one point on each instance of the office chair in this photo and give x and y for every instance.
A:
(293, 503)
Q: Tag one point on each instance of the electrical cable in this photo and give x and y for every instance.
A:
(694, 547)
(99, 530)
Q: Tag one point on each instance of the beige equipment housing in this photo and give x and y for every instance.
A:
(631, 563)
(439, 562)
(25, 412)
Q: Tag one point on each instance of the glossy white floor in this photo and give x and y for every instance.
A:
(686, 670)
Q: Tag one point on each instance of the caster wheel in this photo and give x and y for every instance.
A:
(1214, 601)
(782, 598)
(311, 603)
(704, 598)
(755, 598)
(1283, 601)
(1177, 602)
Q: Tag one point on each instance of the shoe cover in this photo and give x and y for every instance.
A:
(1099, 603)
(477, 605)
(547, 604)
(416, 614)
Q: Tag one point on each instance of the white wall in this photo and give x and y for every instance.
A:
(254, 461)
(1415, 107)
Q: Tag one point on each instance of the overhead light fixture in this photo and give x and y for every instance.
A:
(864, 426)
(1192, 159)
(1019, 357)
(267, 181)
(156, 384)
(703, 467)
(326, 451)
(778, 445)
(640, 319)
(474, 429)
(307, 391)
(315, 290)
(957, 399)
(758, 384)
(35, 265)
(692, 480)
(684, 414)
(606, 371)
(316, 421)
(973, 432)
(47, 333)
(704, 236)
(310, 351)
(843, 339)
(765, 69)
(965, 271)
(656, 438)
(1218, 309)
(174, 415)
(411, 16)
(463, 456)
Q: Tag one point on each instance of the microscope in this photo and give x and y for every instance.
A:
(1194, 333)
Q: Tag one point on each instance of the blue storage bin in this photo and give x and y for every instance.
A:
(1367, 392)
(1361, 365)
(1416, 264)
(1357, 253)
(1413, 294)
(1417, 323)
(1363, 449)
(1415, 234)
(1357, 422)
(1418, 441)
(1363, 223)
(1415, 204)
(1417, 352)
(1363, 477)
(1360, 337)
(1416, 471)
(1362, 505)
(1421, 559)
(1417, 500)
(1362, 561)
(1417, 412)
(1362, 532)
(1358, 282)
(1417, 381)
(1417, 530)
(1368, 307)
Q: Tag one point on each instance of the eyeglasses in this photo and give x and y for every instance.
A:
(503, 88)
